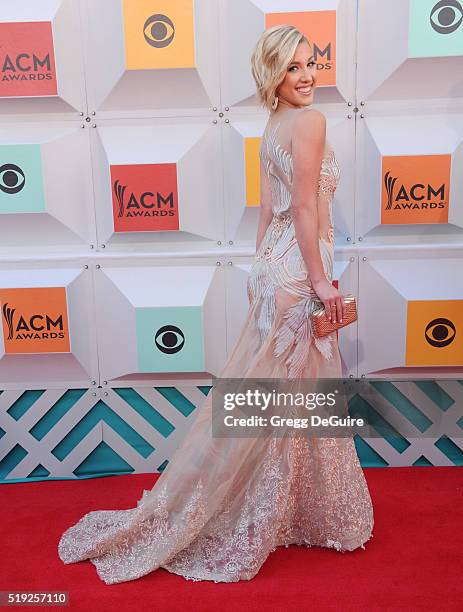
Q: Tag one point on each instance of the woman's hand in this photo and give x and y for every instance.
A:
(331, 298)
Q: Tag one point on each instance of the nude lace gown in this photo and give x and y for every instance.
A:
(223, 504)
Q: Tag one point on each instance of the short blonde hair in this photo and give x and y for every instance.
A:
(270, 59)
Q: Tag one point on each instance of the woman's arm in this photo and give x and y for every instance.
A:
(308, 145)
(265, 213)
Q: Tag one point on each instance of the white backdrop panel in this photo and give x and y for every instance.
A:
(62, 173)
(116, 89)
(65, 19)
(48, 368)
(387, 67)
(413, 136)
(388, 283)
(139, 297)
(193, 148)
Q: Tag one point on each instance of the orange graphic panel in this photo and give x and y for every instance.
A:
(159, 34)
(434, 333)
(415, 189)
(252, 168)
(27, 60)
(320, 29)
(145, 197)
(35, 320)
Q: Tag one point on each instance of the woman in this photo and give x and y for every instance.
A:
(223, 504)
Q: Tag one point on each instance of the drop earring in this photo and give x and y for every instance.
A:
(275, 103)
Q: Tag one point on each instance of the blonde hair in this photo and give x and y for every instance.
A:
(269, 61)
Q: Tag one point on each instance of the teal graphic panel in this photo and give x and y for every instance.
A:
(170, 339)
(21, 183)
(84, 433)
(435, 28)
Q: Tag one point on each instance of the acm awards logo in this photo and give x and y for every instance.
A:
(412, 197)
(415, 188)
(324, 54)
(440, 332)
(319, 26)
(26, 67)
(159, 31)
(27, 59)
(145, 197)
(35, 320)
(143, 204)
(31, 327)
(446, 16)
(169, 339)
(12, 179)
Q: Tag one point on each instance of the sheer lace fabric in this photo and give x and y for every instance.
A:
(223, 504)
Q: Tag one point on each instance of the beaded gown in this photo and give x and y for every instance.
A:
(222, 505)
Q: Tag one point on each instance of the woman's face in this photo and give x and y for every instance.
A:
(297, 88)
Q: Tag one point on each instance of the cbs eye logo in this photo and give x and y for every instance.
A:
(440, 332)
(446, 16)
(169, 339)
(156, 31)
(12, 179)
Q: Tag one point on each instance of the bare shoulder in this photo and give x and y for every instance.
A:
(309, 121)
(308, 135)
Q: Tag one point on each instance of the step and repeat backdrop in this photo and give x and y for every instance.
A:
(129, 201)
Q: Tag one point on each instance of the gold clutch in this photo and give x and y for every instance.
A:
(321, 325)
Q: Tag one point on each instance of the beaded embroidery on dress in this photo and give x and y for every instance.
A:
(222, 505)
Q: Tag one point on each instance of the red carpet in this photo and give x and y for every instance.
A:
(413, 562)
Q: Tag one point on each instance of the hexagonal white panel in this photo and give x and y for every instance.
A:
(410, 49)
(151, 56)
(159, 320)
(45, 203)
(410, 315)
(409, 183)
(158, 184)
(47, 336)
